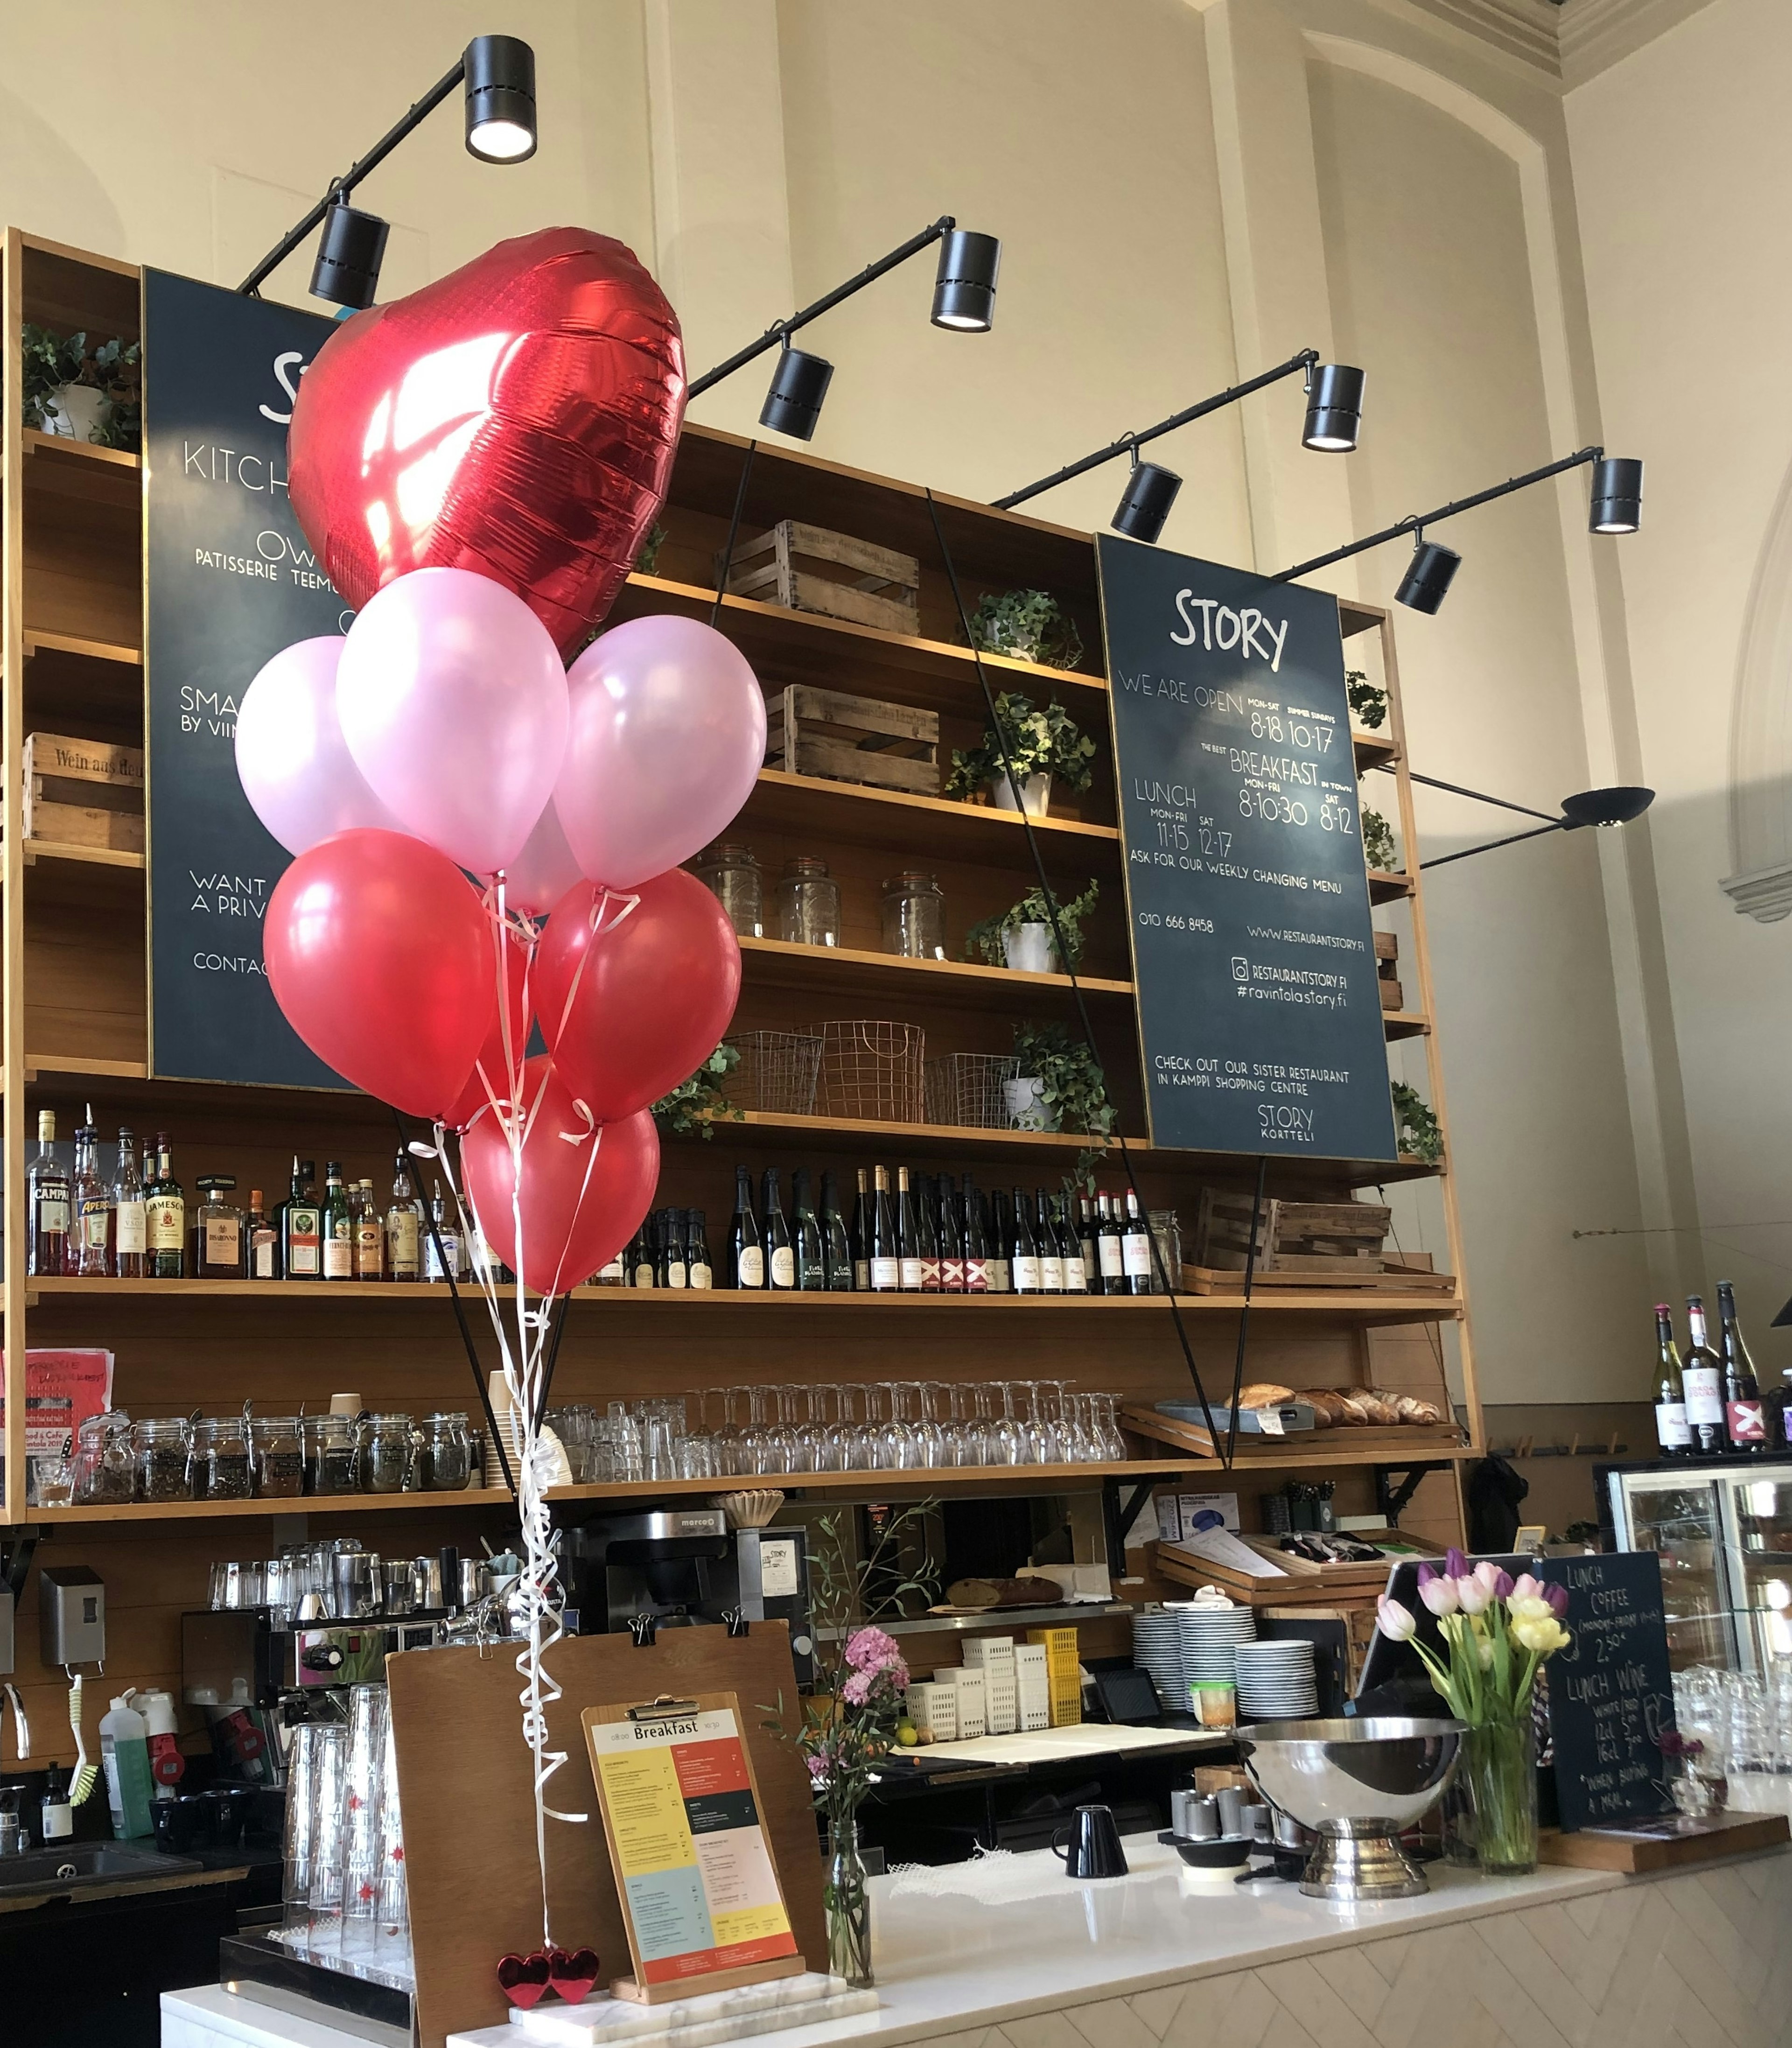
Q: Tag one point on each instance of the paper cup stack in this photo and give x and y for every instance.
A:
(1276, 1681)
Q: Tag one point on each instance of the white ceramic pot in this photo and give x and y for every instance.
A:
(74, 411)
(1026, 1110)
(1036, 794)
(1028, 948)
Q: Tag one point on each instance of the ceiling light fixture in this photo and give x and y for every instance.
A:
(1618, 805)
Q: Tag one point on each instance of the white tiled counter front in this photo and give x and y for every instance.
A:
(1017, 1956)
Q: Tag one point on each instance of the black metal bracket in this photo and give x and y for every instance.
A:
(1392, 1499)
(1120, 1503)
(15, 1560)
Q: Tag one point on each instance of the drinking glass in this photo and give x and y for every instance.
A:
(1008, 1441)
(1113, 1443)
(304, 1770)
(625, 1440)
(1043, 1444)
(811, 1432)
(901, 1448)
(394, 1916)
(364, 1777)
(756, 1438)
(329, 1845)
(782, 1449)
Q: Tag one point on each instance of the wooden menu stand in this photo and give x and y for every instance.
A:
(465, 1784)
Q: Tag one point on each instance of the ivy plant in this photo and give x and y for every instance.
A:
(698, 1103)
(1073, 1089)
(1379, 849)
(1367, 699)
(1048, 742)
(984, 939)
(1416, 1124)
(50, 361)
(1030, 625)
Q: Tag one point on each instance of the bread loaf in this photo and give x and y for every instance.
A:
(1351, 1404)
(1264, 1394)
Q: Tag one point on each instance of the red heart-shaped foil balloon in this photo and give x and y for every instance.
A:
(573, 1974)
(517, 417)
(523, 1978)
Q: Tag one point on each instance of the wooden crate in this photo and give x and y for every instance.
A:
(810, 569)
(810, 731)
(1388, 970)
(1321, 1237)
(1399, 1440)
(84, 792)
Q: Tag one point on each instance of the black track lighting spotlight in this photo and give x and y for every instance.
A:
(1145, 503)
(1334, 408)
(1616, 806)
(1428, 576)
(346, 272)
(799, 384)
(500, 99)
(1616, 506)
(964, 286)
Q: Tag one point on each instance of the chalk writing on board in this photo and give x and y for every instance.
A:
(1611, 1691)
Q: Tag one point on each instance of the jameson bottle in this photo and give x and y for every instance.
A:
(1671, 1430)
(837, 1260)
(165, 1218)
(1745, 1421)
(1704, 1379)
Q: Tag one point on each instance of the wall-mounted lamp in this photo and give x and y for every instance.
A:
(1618, 805)
(498, 73)
(964, 301)
(1334, 415)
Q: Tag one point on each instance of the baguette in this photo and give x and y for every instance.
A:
(1264, 1394)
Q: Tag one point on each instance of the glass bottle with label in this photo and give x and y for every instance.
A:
(951, 1234)
(1024, 1273)
(264, 1240)
(166, 1217)
(746, 1253)
(369, 1236)
(883, 1261)
(214, 1239)
(404, 1229)
(1109, 1257)
(442, 1260)
(674, 1270)
(1070, 1245)
(698, 1274)
(338, 1226)
(1671, 1430)
(47, 1192)
(774, 1233)
(1704, 1380)
(977, 1241)
(1745, 1421)
(811, 1261)
(859, 1235)
(131, 1242)
(1136, 1249)
(1086, 1241)
(645, 1268)
(998, 1264)
(927, 1232)
(1051, 1252)
(90, 1206)
(301, 1227)
(908, 1236)
(837, 1260)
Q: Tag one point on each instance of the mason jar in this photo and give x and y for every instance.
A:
(221, 1460)
(162, 1447)
(105, 1472)
(445, 1461)
(332, 1460)
(914, 917)
(277, 1452)
(388, 1451)
(808, 903)
(732, 875)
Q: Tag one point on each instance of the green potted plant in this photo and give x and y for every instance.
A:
(66, 391)
(1367, 699)
(1021, 936)
(1027, 626)
(1416, 1123)
(1060, 1086)
(1379, 849)
(1040, 744)
(696, 1103)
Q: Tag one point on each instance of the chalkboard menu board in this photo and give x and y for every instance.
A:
(1259, 1016)
(231, 580)
(1611, 1692)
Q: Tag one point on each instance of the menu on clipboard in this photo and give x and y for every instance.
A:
(694, 1872)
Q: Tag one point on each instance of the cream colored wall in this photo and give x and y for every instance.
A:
(1188, 190)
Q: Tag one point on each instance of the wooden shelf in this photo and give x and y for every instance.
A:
(1387, 888)
(1404, 1024)
(1373, 749)
(63, 449)
(238, 1511)
(92, 856)
(86, 651)
(836, 972)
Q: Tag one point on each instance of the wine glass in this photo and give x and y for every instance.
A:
(1008, 1440)
(899, 1446)
(1043, 1445)
(1113, 1443)
(930, 1439)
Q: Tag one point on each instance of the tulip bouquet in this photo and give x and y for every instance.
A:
(1497, 1630)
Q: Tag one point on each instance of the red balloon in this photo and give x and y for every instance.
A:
(491, 1068)
(584, 1189)
(630, 1011)
(517, 417)
(381, 958)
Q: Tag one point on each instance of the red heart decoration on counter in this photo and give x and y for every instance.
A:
(517, 417)
(524, 1979)
(572, 1974)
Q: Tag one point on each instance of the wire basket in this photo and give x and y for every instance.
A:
(965, 1088)
(873, 1070)
(778, 1072)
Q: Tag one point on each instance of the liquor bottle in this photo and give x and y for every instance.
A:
(883, 1259)
(1704, 1380)
(615, 1273)
(130, 1244)
(646, 1271)
(1671, 1432)
(1135, 1248)
(47, 1194)
(774, 1233)
(747, 1251)
(1051, 1254)
(999, 1268)
(165, 1207)
(264, 1240)
(1110, 1258)
(403, 1228)
(1744, 1420)
(811, 1258)
(908, 1244)
(301, 1232)
(1070, 1245)
(837, 1261)
(926, 1232)
(860, 1238)
(977, 1241)
(952, 1240)
(215, 1238)
(1085, 1229)
(369, 1236)
(339, 1225)
(442, 1254)
(90, 1207)
(673, 1271)
(1023, 1252)
(697, 1273)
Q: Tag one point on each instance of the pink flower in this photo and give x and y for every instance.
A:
(817, 1768)
(1455, 1565)
(1475, 1597)
(1525, 1587)
(1397, 1623)
(1486, 1572)
(871, 1650)
(1439, 1594)
(857, 1689)
(1557, 1597)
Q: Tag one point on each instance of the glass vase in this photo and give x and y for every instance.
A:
(849, 1900)
(1500, 1759)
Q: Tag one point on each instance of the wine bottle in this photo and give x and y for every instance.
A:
(883, 1258)
(675, 1270)
(47, 1198)
(861, 1238)
(1135, 1248)
(698, 1276)
(131, 1242)
(977, 1241)
(1051, 1252)
(908, 1247)
(840, 1275)
(951, 1234)
(1671, 1432)
(811, 1261)
(1023, 1252)
(1744, 1418)
(646, 1272)
(747, 1251)
(1085, 1231)
(443, 1261)
(1703, 1377)
(774, 1234)
(927, 1233)
(1070, 1249)
(999, 1237)
(1109, 1256)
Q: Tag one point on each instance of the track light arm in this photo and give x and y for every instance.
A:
(1558, 825)
(1415, 522)
(1307, 360)
(1480, 796)
(340, 187)
(776, 336)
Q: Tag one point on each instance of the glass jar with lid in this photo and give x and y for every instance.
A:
(162, 1446)
(914, 916)
(220, 1463)
(105, 1471)
(444, 1459)
(732, 875)
(277, 1456)
(331, 1460)
(388, 1453)
(808, 903)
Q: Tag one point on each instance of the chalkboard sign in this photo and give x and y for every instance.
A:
(1611, 1692)
(231, 580)
(1259, 1017)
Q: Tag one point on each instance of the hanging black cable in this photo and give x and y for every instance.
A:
(560, 1314)
(733, 532)
(1066, 958)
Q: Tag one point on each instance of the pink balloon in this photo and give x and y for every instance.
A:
(291, 759)
(667, 735)
(453, 703)
(543, 872)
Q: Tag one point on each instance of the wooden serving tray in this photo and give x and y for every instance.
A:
(1641, 1849)
(1401, 1439)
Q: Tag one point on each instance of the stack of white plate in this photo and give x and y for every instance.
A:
(1157, 1647)
(1276, 1681)
(1210, 1636)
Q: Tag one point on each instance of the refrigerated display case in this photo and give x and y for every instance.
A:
(1757, 1523)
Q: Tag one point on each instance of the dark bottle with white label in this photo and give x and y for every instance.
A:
(998, 1264)
(1745, 1421)
(774, 1234)
(1086, 1241)
(859, 1236)
(301, 1232)
(927, 1232)
(1070, 1245)
(1024, 1273)
(883, 1259)
(837, 1261)
(1136, 1249)
(810, 1260)
(1703, 1376)
(1110, 1258)
(747, 1251)
(1671, 1431)
(673, 1270)
(697, 1274)
(951, 1234)
(908, 1235)
(1051, 1253)
(976, 1240)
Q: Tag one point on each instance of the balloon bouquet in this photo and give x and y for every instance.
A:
(484, 839)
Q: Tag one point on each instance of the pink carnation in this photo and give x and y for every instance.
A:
(857, 1689)
(817, 1767)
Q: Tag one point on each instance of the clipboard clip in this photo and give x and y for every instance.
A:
(643, 1628)
(664, 1708)
(736, 1622)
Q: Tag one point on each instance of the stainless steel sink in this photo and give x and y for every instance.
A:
(76, 1865)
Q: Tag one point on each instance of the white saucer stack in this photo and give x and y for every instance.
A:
(1276, 1681)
